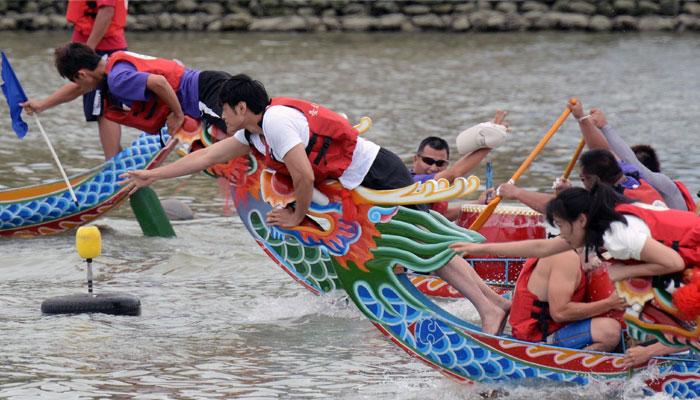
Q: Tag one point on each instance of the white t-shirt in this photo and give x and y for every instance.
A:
(285, 127)
(625, 242)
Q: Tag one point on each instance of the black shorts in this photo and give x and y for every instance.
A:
(92, 101)
(389, 172)
(210, 83)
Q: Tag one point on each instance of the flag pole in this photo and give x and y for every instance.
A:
(58, 163)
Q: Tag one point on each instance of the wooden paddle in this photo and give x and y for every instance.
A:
(491, 207)
(574, 158)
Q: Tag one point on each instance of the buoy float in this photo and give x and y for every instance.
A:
(88, 243)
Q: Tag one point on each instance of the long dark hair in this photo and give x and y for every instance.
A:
(598, 205)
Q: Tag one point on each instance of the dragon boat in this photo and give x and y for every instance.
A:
(47, 208)
(360, 256)
(310, 266)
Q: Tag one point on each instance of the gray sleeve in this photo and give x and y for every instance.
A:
(662, 183)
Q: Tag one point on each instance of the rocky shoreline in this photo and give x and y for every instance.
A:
(380, 15)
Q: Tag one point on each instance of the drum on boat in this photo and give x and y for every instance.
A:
(507, 223)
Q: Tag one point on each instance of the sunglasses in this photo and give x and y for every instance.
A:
(431, 161)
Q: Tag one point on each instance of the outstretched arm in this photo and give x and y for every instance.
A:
(524, 248)
(639, 355)
(219, 152)
(672, 196)
(64, 94)
(535, 200)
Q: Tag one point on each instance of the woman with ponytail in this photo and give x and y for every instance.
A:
(602, 221)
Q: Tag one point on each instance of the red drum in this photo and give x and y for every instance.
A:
(508, 223)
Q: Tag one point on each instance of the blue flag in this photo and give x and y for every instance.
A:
(14, 95)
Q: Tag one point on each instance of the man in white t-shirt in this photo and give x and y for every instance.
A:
(282, 133)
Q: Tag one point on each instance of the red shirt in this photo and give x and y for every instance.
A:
(108, 43)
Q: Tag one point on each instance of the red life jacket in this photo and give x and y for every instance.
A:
(149, 115)
(82, 15)
(530, 316)
(600, 287)
(677, 229)
(687, 197)
(644, 193)
(332, 140)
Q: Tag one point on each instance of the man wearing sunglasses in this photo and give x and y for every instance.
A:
(432, 160)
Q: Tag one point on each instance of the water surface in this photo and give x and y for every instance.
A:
(219, 319)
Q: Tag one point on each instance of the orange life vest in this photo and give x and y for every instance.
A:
(600, 287)
(687, 197)
(149, 115)
(332, 140)
(677, 229)
(530, 316)
(82, 15)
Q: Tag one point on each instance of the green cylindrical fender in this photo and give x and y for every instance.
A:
(150, 214)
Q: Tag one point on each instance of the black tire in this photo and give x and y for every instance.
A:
(107, 303)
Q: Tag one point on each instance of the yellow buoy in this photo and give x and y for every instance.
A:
(88, 242)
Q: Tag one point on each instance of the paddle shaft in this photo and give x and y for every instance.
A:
(58, 163)
(486, 214)
(574, 158)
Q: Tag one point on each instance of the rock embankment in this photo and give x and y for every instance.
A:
(379, 15)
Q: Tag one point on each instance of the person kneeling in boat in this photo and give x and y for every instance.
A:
(139, 91)
(630, 178)
(432, 158)
(596, 166)
(600, 134)
(661, 240)
(311, 143)
(549, 305)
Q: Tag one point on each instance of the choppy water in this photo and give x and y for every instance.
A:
(219, 319)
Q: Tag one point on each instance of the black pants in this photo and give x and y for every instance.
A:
(389, 172)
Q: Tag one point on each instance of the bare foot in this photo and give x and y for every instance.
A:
(492, 322)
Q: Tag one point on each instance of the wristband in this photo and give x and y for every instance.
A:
(583, 118)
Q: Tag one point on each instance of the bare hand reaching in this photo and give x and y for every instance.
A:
(466, 248)
(636, 355)
(32, 106)
(137, 179)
